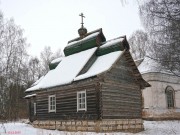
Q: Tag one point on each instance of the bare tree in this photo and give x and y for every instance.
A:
(47, 56)
(140, 44)
(12, 56)
(31, 71)
(17, 70)
(161, 19)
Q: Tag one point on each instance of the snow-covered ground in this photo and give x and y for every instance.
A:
(151, 128)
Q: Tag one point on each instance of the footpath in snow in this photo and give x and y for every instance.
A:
(151, 128)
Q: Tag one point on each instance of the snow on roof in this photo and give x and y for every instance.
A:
(37, 81)
(86, 38)
(102, 64)
(150, 65)
(28, 96)
(38, 85)
(66, 71)
(56, 60)
(112, 42)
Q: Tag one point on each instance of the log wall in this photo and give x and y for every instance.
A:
(66, 104)
(121, 96)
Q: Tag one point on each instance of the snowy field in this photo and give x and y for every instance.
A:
(151, 128)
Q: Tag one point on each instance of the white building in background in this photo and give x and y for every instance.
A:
(162, 99)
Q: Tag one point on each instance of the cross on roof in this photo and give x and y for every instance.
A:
(82, 16)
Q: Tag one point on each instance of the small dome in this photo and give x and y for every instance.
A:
(82, 31)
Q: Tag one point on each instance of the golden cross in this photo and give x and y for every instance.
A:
(82, 16)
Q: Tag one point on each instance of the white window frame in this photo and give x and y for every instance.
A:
(34, 108)
(49, 103)
(78, 103)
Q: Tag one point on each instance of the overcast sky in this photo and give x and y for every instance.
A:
(55, 22)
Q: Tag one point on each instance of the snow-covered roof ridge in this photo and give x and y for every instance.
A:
(89, 33)
(57, 60)
(112, 42)
(84, 39)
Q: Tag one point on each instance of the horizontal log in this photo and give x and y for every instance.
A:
(121, 90)
(120, 117)
(120, 96)
(121, 85)
(81, 85)
(121, 107)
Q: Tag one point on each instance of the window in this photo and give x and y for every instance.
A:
(170, 97)
(34, 108)
(52, 103)
(81, 101)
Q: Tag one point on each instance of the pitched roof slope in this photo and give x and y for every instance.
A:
(66, 71)
(102, 64)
